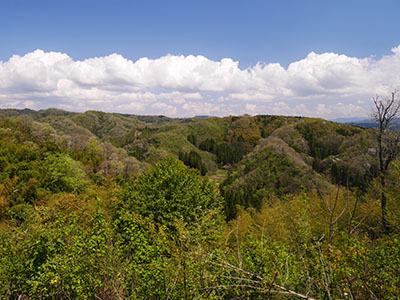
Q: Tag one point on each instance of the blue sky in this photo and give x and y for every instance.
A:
(247, 32)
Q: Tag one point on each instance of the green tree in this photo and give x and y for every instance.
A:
(192, 139)
(171, 191)
(193, 160)
(63, 174)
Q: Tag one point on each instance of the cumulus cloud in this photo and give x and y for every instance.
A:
(324, 85)
(250, 108)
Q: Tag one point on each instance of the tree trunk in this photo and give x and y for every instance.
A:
(385, 224)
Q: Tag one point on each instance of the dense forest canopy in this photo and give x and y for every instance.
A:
(108, 206)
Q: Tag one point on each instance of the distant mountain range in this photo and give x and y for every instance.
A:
(351, 120)
(366, 123)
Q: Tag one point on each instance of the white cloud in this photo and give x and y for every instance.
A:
(324, 85)
(179, 97)
(30, 104)
(164, 108)
(280, 108)
(250, 108)
(322, 110)
(131, 106)
(208, 108)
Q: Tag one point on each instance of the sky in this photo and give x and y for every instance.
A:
(185, 58)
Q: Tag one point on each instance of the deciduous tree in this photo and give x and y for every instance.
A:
(386, 111)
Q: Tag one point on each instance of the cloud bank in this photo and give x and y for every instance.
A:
(326, 85)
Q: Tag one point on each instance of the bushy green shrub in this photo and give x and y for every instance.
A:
(170, 190)
(63, 174)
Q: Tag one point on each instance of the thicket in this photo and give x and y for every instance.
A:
(69, 231)
(226, 153)
(326, 144)
(193, 160)
(260, 178)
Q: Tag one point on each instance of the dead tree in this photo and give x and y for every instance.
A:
(386, 111)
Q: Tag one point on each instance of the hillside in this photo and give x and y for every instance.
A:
(123, 206)
(251, 157)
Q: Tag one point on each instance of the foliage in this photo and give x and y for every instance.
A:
(78, 219)
(258, 180)
(63, 174)
(193, 160)
(226, 153)
(170, 191)
(192, 139)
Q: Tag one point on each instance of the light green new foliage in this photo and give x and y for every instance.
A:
(169, 221)
(139, 249)
(63, 174)
(171, 191)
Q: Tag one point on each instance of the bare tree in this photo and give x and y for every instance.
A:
(386, 111)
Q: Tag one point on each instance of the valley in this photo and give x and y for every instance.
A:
(126, 206)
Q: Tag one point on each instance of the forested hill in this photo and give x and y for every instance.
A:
(251, 157)
(102, 204)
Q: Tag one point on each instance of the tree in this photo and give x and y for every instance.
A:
(385, 113)
(64, 174)
(172, 191)
(192, 139)
(193, 160)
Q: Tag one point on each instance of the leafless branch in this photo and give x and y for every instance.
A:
(282, 288)
(385, 112)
